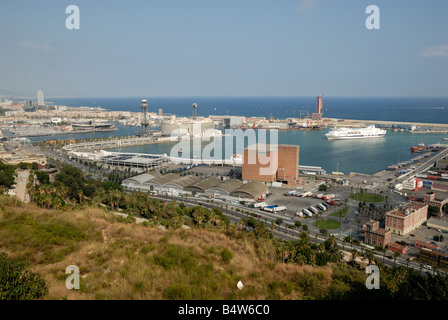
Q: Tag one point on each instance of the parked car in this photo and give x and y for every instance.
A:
(427, 267)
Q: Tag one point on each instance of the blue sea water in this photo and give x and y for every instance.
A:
(364, 156)
(431, 110)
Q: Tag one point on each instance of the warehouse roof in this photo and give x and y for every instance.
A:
(142, 178)
(164, 179)
(203, 185)
(183, 181)
(227, 186)
(251, 189)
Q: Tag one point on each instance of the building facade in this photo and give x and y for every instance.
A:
(430, 200)
(260, 163)
(406, 218)
(288, 164)
(269, 163)
(376, 236)
(40, 98)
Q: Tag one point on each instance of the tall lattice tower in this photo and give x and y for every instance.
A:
(144, 121)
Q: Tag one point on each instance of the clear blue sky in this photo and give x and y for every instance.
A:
(224, 48)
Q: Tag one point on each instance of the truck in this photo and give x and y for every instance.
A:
(290, 193)
(307, 212)
(299, 214)
(320, 196)
(329, 196)
(314, 210)
(306, 194)
(280, 208)
(326, 205)
(269, 208)
(321, 206)
(259, 205)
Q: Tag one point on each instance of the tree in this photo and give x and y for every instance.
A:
(396, 255)
(278, 221)
(19, 283)
(370, 256)
(42, 177)
(354, 253)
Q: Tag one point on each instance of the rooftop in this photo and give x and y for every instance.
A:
(406, 209)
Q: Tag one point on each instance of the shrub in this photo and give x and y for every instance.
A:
(18, 283)
(226, 255)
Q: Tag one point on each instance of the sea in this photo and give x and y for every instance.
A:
(362, 156)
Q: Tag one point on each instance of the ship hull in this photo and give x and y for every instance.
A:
(354, 137)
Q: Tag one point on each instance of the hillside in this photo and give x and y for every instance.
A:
(119, 260)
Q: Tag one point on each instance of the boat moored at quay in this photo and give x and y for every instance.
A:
(355, 133)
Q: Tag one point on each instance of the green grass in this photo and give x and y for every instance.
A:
(340, 213)
(367, 197)
(52, 238)
(327, 224)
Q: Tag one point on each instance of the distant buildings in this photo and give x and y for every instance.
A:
(174, 183)
(40, 98)
(406, 218)
(319, 108)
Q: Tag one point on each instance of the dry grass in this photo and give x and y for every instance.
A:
(131, 261)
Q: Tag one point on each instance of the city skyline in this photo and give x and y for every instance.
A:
(248, 48)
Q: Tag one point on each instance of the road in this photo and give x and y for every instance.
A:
(424, 167)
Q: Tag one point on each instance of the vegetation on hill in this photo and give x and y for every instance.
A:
(122, 260)
(198, 254)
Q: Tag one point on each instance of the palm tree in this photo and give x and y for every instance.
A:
(396, 255)
(344, 241)
(332, 241)
(354, 253)
(370, 256)
(321, 247)
(384, 253)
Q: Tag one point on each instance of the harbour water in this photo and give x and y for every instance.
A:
(362, 156)
(358, 155)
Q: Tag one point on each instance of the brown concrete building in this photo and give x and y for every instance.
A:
(288, 164)
(396, 247)
(260, 163)
(376, 236)
(430, 200)
(269, 163)
(427, 245)
(406, 218)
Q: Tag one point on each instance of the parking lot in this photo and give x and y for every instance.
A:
(422, 233)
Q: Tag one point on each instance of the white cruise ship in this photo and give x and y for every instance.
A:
(355, 133)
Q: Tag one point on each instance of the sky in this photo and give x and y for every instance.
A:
(224, 48)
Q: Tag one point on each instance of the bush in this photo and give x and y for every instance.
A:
(18, 283)
(226, 255)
